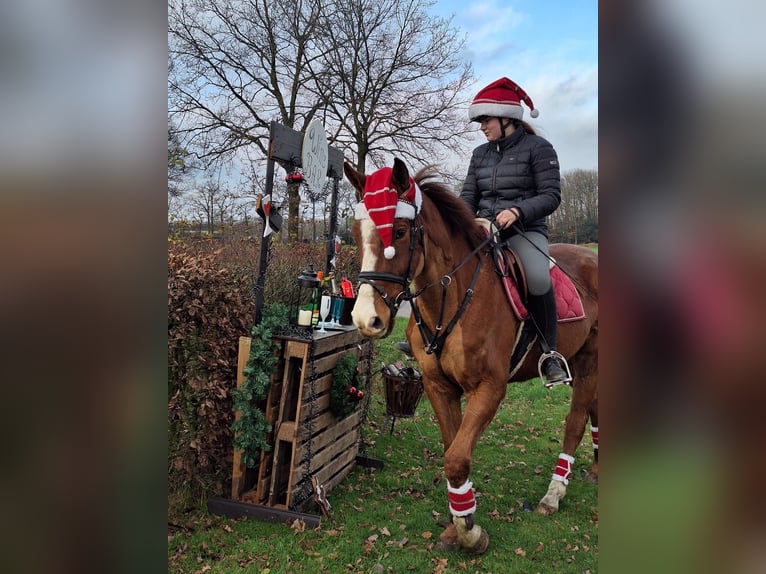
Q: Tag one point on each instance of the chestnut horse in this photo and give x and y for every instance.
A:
(441, 262)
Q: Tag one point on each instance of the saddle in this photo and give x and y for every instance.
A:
(569, 305)
(508, 266)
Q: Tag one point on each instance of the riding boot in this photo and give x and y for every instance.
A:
(404, 347)
(543, 311)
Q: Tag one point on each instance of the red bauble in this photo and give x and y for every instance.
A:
(352, 391)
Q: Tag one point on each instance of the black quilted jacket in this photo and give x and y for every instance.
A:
(521, 170)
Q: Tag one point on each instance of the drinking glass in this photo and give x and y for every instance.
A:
(337, 307)
(324, 311)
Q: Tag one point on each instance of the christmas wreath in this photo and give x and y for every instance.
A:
(345, 392)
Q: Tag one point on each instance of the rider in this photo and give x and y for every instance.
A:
(514, 181)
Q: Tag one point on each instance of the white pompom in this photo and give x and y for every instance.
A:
(389, 252)
(534, 113)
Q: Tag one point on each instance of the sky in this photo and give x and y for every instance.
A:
(549, 48)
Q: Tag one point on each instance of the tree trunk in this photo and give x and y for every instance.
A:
(293, 203)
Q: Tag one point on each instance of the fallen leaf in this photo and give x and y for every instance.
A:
(369, 543)
(539, 547)
(226, 527)
(384, 531)
(427, 535)
(298, 525)
(441, 565)
(520, 552)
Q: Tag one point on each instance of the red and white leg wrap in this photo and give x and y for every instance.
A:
(594, 435)
(461, 500)
(563, 468)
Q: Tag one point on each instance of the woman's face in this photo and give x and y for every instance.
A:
(491, 128)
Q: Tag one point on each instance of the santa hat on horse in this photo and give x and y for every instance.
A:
(382, 204)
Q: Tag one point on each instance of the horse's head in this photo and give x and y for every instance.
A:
(386, 236)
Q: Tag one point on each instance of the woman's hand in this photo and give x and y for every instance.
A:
(507, 217)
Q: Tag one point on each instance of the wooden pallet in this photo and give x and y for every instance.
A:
(300, 425)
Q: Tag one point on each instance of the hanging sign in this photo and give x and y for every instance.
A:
(314, 156)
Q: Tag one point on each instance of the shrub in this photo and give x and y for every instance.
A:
(208, 311)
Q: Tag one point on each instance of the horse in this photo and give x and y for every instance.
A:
(461, 329)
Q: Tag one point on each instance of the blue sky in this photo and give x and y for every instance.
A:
(550, 48)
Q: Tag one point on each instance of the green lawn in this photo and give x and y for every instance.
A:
(388, 520)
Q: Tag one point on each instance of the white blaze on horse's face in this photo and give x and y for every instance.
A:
(364, 313)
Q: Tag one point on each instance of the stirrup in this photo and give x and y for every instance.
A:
(560, 357)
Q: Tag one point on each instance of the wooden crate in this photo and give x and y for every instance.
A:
(307, 439)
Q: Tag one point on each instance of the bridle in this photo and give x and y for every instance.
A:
(370, 277)
(433, 338)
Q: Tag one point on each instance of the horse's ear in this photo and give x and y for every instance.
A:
(357, 179)
(400, 177)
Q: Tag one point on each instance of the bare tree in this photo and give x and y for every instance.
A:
(576, 219)
(397, 80)
(178, 163)
(213, 204)
(237, 66)
(384, 76)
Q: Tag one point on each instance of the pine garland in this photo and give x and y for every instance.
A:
(345, 392)
(251, 428)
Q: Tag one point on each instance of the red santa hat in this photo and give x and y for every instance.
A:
(382, 204)
(501, 99)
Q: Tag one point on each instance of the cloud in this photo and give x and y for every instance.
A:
(489, 25)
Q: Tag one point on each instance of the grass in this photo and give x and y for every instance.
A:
(388, 520)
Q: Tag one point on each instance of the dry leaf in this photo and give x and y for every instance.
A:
(427, 535)
(367, 546)
(384, 531)
(539, 547)
(298, 525)
(226, 527)
(520, 552)
(441, 565)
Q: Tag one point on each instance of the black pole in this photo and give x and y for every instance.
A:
(263, 261)
(330, 243)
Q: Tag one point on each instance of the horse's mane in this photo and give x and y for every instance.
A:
(454, 212)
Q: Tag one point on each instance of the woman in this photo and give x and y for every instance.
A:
(513, 180)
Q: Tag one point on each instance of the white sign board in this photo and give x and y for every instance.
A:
(314, 156)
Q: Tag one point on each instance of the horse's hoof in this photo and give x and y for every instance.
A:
(591, 478)
(545, 509)
(481, 545)
(474, 540)
(448, 539)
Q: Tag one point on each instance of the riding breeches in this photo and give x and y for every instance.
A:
(532, 249)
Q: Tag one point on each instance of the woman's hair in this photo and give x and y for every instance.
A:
(527, 128)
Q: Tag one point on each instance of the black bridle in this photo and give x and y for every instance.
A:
(433, 338)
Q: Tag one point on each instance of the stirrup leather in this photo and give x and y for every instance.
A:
(560, 357)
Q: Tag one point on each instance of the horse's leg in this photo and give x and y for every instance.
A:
(592, 475)
(445, 401)
(584, 396)
(481, 406)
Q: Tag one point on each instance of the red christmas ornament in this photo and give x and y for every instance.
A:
(359, 395)
(352, 391)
